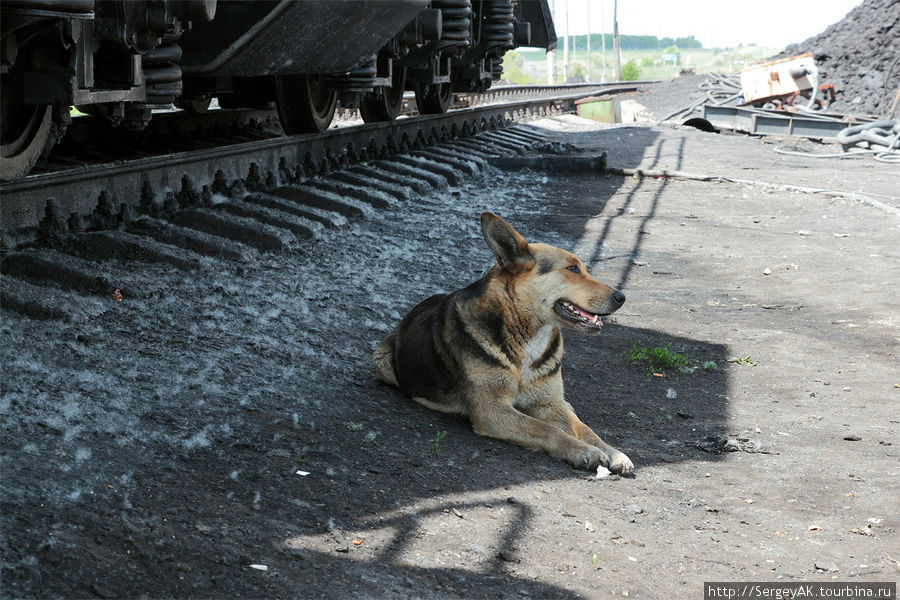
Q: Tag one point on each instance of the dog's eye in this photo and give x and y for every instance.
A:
(574, 268)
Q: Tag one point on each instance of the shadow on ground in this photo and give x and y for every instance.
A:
(150, 517)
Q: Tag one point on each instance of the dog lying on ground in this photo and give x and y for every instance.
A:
(492, 350)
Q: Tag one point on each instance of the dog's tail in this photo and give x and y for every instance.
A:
(383, 359)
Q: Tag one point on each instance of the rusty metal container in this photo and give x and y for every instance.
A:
(779, 78)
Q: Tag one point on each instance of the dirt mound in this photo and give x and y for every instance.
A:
(860, 55)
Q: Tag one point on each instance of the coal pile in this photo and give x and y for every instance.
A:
(860, 55)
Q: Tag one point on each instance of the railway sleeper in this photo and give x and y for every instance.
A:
(37, 302)
(501, 132)
(417, 186)
(105, 245)
(189, 239)
(65, 271)
(299, 226)
(528, 134)
(376, 198)
(484, 149)
(528, 144)
(348, 207)
(474, 151)
(239, 229)
(398, 192)
(447, 172)
(518, 133)
(505, 142)
(460, 163)
(326, 218)
(468, 163)
(553, 163)
(434, 180)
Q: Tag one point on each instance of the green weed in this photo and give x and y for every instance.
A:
(436, 442)
(742, 360)
(659, 358)
(354, 426)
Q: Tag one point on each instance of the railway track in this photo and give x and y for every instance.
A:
(87, 185)
(181, 209)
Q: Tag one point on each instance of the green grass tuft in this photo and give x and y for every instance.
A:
(436, 442)
(741, 360)
(659, 358)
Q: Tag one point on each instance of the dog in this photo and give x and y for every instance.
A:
(493, 350)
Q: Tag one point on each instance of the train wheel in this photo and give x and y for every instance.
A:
(433, 99)
(24, 139)
(26, 129)
(305, 103)
(386, 105)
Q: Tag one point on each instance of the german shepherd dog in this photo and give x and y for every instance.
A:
(492, 350)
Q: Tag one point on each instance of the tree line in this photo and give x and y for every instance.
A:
(634, 42)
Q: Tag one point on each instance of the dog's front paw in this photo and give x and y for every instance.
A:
(591, 459)
(620, 463)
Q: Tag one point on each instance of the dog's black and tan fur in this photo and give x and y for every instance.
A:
(492, 350)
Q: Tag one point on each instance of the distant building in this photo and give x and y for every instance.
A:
(670, 58)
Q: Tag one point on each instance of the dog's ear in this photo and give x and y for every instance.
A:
(508, 246)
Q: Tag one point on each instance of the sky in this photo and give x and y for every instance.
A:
(716, 23)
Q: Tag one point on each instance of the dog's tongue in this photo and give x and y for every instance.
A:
(591, 318)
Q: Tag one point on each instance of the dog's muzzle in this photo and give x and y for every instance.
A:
(576, 314)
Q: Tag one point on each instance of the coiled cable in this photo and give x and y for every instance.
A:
(879, 138)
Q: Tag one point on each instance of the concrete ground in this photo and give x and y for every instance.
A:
(222, 434)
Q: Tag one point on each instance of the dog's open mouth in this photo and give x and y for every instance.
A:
(575, 313)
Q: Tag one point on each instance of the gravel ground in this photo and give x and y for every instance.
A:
(219, 433)
(656, 102)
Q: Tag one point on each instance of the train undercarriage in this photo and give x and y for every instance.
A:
(121, 60)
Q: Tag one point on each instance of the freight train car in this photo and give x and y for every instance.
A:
(120, 60)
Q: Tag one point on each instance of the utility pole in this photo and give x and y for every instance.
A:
(551, 58)
(616, 48)
(590, 76)
(566, 71)
(602, 43)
